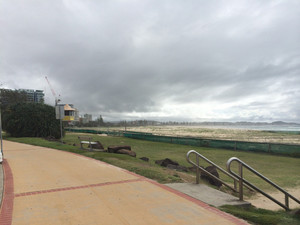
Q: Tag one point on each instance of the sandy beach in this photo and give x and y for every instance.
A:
(217, 133)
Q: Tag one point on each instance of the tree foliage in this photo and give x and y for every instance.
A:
(9, 97)
(100, 121)
(31, 120)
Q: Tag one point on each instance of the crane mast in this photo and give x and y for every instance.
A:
(57, 100)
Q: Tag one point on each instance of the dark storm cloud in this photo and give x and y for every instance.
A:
(122, 57)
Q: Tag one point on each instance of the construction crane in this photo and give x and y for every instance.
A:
(57, 100)
(57, 109)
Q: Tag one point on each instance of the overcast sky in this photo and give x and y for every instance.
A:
(166, 60)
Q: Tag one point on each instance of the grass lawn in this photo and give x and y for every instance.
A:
(262, 216)
(281, 169)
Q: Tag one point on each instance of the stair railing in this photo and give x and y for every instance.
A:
(199, 168)
(243, 181)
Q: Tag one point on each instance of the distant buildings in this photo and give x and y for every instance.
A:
(39, 96)
(36, 96)
(9, 96)
(87, 118)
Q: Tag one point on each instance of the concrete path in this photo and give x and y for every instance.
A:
(207, 194)
(47, 186)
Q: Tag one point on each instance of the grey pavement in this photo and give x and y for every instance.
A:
(207, 194)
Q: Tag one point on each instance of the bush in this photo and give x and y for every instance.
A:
(31, 120)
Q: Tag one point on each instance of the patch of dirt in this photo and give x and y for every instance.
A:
(261, 201)
(186, 178)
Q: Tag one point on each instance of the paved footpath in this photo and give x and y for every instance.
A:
(47, 186)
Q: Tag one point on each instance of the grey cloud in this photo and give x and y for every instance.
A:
(121, 57)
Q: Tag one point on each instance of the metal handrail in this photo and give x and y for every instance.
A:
(243, 180)
(198, 167)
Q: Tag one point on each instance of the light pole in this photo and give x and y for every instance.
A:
(60, 120)
(1, 154)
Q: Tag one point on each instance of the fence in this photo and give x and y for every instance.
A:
(275, 148)
(108, 132)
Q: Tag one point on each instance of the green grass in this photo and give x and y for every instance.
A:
(262, 216)
(147, 169)
(280, 169)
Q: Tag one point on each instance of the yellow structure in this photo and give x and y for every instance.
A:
(69, 113)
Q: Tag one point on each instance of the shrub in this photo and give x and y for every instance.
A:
(31, 120)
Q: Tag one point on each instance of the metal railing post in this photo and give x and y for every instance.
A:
(241, 181)
(235, 185)
(197, 170)
(287, 201)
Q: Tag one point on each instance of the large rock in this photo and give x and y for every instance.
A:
(114, 149)
(211, 180)
(165, 162)
(97, 146)
(126, 151)
(171, 164)
(145, 159)
(178, 168)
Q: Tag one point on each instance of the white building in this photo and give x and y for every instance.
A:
(36, 96)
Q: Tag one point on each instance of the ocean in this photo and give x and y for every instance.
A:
(270, 127)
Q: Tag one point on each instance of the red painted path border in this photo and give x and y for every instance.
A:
(8, 192)
(76, 187)
(8, 195)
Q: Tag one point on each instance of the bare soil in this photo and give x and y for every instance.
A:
(261, 201)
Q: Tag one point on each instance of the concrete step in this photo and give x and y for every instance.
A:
(207, 194)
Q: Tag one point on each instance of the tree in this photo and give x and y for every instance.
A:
(10, 97)
(31, 120)
(100, 121)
